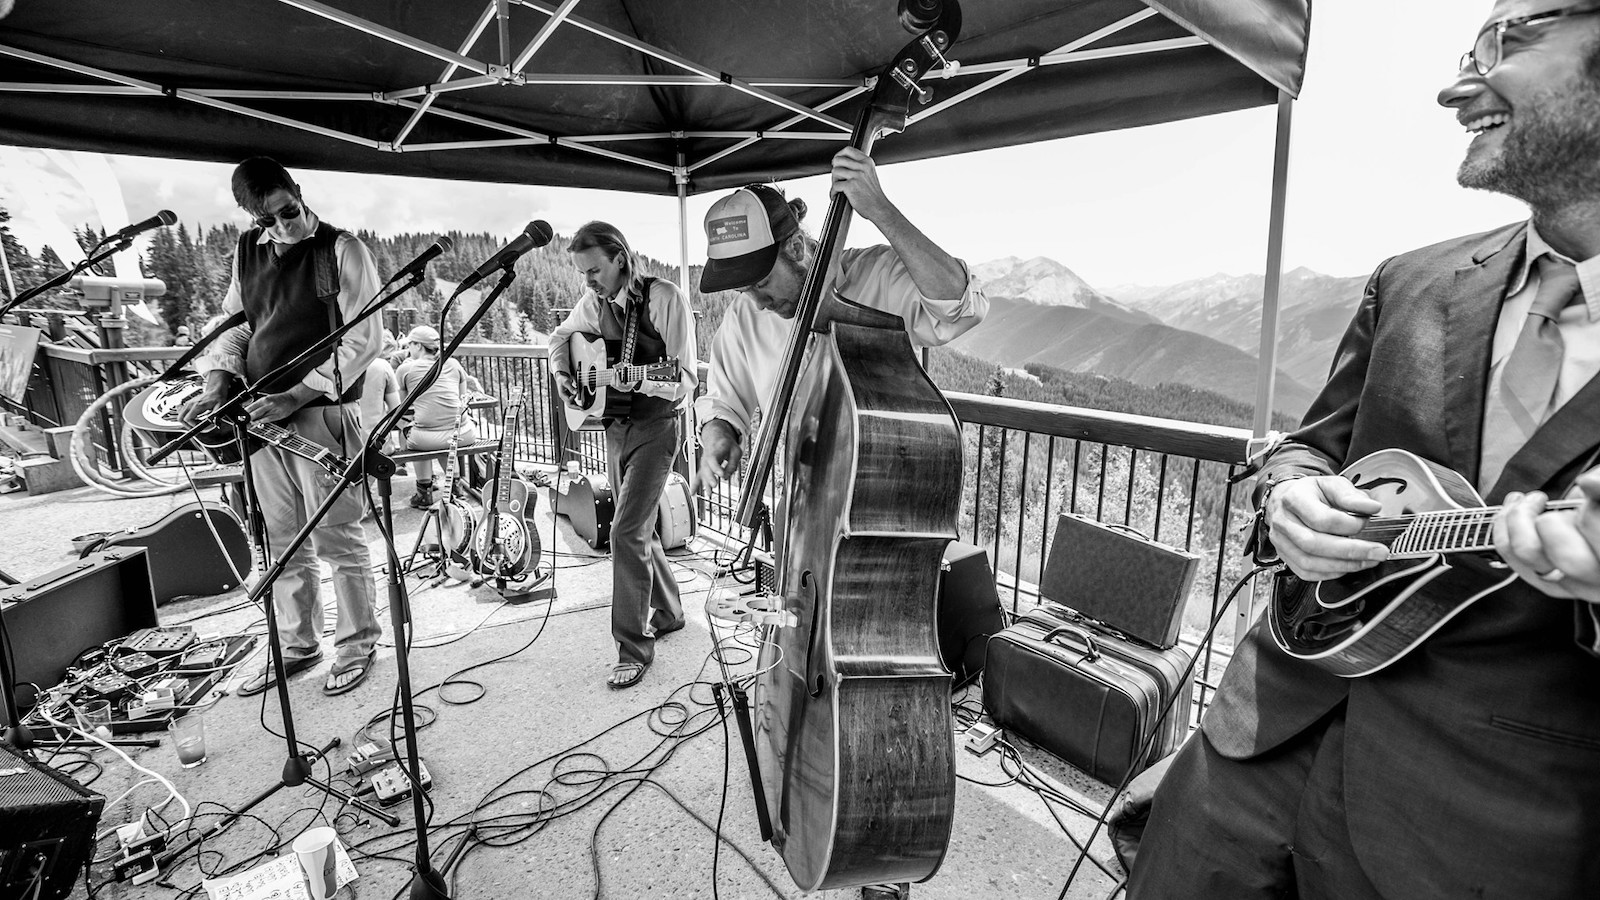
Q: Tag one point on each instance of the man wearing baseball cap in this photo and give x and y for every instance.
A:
(757, 247)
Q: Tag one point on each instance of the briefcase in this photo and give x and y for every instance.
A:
(1118, 576)
(1086, 694)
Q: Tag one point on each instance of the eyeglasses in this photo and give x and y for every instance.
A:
(1487, 50)
(288, 213)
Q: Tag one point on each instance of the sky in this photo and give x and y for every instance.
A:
(1372, 173)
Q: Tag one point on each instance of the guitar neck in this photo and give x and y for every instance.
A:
(284, 439)
(1425, 534)
(607, 377)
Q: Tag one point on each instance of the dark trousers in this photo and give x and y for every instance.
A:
(1269, 827)
(644, 595)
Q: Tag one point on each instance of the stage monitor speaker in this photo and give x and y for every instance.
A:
(47, 824)
(969, 610)
(52, 619)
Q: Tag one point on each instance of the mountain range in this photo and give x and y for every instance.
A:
(1203, 332)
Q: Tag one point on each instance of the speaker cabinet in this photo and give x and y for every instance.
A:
(55, 617)
(47, 824)
(969, 610)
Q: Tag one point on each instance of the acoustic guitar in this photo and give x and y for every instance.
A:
(1362, 622)
(507, 549)
(595, 369)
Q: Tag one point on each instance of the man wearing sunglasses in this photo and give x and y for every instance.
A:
(297, 278)
(1469, 766)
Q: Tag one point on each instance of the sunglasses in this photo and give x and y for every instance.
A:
(289, 213)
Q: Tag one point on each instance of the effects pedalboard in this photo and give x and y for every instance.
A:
(375, 760)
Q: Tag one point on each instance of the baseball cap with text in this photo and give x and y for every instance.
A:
(743, 233)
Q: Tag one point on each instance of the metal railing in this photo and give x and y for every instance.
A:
(1026, 464)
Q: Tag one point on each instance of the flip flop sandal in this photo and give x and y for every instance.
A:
(620, 679)
(266, 678)
(361, 667)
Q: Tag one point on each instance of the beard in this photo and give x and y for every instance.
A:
(1550, 154)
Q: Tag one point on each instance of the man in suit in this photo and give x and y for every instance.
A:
(1471, 766)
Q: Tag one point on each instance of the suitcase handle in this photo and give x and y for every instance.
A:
(1130, 529)
(1092, 651)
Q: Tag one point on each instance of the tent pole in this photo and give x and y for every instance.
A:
(683, 226)
(1266, 371)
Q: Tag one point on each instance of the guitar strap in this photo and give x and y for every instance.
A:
(630, 326)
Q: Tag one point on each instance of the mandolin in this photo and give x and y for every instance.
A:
(594, 367)
(1362, 622)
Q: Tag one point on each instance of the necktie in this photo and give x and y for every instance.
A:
(1520, 403)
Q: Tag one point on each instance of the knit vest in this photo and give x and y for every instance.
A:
(291, 302)
(649, 347)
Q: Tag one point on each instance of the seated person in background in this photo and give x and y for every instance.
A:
(379, 394)
(440, 412)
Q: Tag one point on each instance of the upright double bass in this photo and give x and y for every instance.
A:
(852, 704)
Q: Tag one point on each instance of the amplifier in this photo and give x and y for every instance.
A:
(969, 610)
(47, 824)
(52, 619)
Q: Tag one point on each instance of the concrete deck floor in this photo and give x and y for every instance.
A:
(643, 776)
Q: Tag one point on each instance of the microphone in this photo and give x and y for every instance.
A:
(165, 217)
(537, 234)
(442, 245)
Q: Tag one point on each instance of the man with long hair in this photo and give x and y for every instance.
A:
(649, 319)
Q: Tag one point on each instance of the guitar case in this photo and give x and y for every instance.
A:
(586, 502)
(185, 559)
(675, 513)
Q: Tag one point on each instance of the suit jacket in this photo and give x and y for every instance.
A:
(1472, 766)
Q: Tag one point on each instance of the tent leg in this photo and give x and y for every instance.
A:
(1267, 369)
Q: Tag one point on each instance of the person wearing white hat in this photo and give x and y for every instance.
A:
(757, 248)
(440, 412)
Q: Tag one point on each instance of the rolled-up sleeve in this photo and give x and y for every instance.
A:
(674, 321)
(877, 277)
(227, 352)
(358, 284)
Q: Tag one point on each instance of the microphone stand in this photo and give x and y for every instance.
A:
(298, 767)
(104, 251)
(428, 883)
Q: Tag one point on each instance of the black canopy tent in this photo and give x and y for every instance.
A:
(653, 96)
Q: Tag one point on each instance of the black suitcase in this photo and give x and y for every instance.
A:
(1086, 693)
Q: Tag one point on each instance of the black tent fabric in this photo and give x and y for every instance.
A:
(633, 95)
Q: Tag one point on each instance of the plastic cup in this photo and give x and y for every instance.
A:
(189, 739)
(314, 848)
(95, 718)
